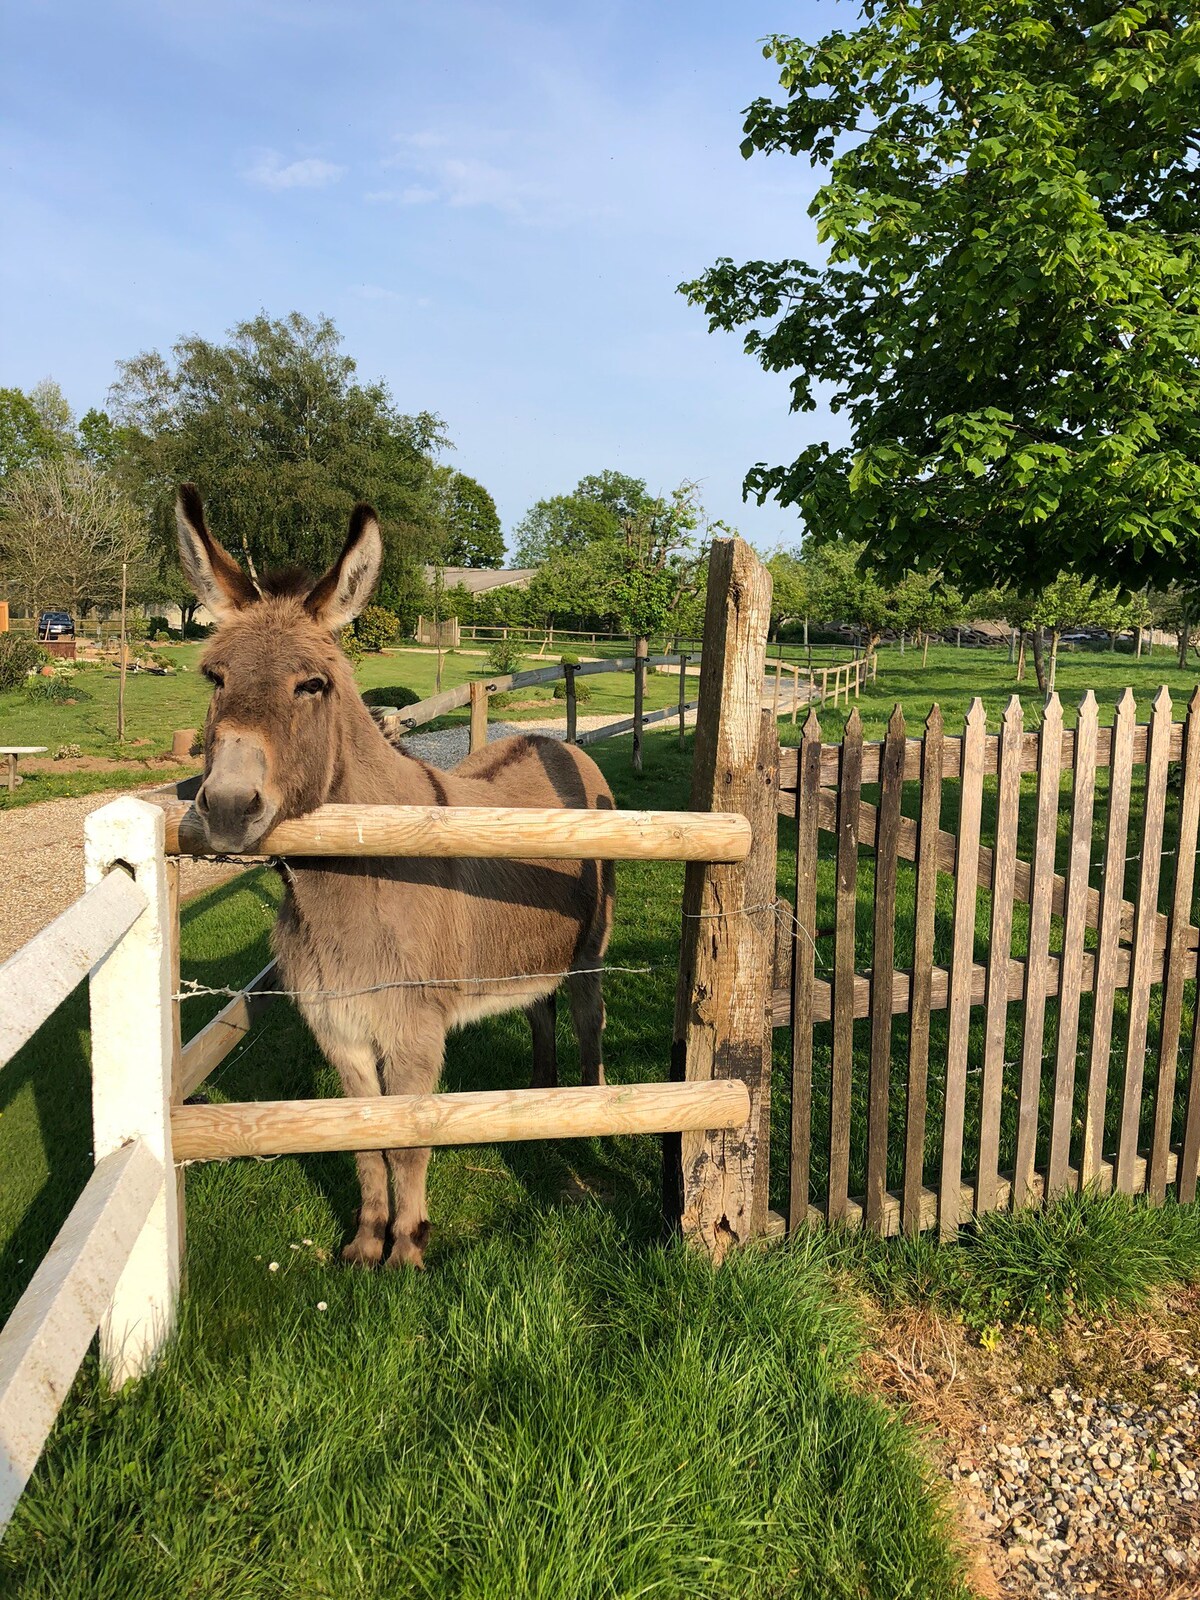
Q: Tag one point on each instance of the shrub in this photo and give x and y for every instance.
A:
(67, 752)
(568, 659)
(377, 627)
(18, 658)
(197, 630)
(351, 644)
(398, 695)
(52, 691)
(159, 628)
(505, 655)
(583, 690)
(137, 627)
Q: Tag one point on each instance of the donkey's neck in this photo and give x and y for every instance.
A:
(369, 770)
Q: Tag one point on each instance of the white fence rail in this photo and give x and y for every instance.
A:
(38, 978)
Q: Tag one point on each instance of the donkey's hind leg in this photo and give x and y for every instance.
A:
(359, 1075)
(542, 1014)
(587, 1013)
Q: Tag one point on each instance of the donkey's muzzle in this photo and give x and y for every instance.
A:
(233, 800)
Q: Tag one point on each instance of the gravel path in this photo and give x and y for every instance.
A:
(1092, 1487)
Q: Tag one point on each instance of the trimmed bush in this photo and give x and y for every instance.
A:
(398, 695)
(376, 628)
(583, 690)
(18, 658)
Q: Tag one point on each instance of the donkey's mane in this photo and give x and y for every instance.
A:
(286, 583)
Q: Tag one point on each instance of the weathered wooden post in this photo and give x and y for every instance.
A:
(682, 697)
(132, 1058)
(641, 650)
(715, 1183)
(479, 716)
(825, 684)
(569, 675)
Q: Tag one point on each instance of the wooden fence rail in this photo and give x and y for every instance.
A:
(1007, 1132)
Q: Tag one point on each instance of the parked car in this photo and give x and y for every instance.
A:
(56, 625)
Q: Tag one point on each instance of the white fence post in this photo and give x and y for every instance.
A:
(132, 1050)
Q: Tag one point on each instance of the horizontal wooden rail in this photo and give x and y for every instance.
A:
(440, 705)
(202, 1054)
(401, 1122)
(890, 1221)
(504, 832)
(822, 1007)
(611, 729)
(947, 861)
(52, 1324)
(952, 755)
(41, 974)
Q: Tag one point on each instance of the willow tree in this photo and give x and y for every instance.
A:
(1007, 313)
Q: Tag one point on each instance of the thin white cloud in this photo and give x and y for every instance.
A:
(270, 171)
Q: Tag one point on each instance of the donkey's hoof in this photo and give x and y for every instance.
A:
(363, 1252)
(408, 1249)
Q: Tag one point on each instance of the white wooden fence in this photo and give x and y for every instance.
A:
(115, 1262)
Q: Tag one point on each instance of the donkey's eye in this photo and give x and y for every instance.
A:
(215, 678)
(312, 686)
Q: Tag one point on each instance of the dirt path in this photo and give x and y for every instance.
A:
(41, 864)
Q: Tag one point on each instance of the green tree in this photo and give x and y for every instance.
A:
(24, 436)
(474, 537)
(594, 510)
(1008, 313)
(282, 439)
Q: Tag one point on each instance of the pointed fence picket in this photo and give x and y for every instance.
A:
(1046, 1050)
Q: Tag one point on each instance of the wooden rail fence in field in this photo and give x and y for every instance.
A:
(984, 949)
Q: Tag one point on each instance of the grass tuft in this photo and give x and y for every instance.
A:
(1088, 1254)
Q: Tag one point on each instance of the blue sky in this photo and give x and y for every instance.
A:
(494, 202)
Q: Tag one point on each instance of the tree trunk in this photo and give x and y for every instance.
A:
(1182, 640)
(1021, 659)
(925, 651)
(1039, 661)
(1053, 658)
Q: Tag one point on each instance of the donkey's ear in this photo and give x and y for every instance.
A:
(219, 583)
(341, 594)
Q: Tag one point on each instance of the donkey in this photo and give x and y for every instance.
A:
(386, 955)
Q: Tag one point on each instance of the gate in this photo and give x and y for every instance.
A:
(992, 964)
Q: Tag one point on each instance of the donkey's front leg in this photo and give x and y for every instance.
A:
(412, 1067)
(357, 1069)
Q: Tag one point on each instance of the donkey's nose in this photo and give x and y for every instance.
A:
(233, 801)
(232, 813)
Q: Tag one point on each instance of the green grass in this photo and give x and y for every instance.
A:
(156, 706)
(559, 1407)
(952, 678)
(1086, 1254)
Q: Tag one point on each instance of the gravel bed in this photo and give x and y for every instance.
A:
(1098, 1494)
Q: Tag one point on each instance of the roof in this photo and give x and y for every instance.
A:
(478, 580)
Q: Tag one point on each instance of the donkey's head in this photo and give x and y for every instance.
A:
(280, 682)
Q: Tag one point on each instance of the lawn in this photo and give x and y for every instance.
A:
(155, 706)
(559, 1407)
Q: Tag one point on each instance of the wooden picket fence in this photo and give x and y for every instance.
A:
(957, 961)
